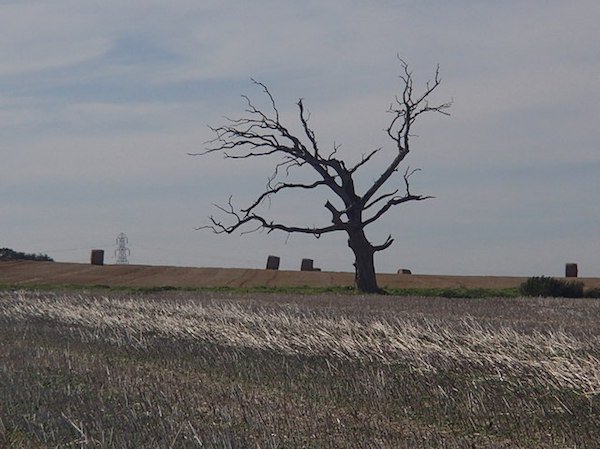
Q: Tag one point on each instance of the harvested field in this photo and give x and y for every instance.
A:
(157, 276)
(217, 370)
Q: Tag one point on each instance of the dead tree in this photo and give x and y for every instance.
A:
(262, 134)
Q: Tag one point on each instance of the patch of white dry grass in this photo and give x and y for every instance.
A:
(551, 358)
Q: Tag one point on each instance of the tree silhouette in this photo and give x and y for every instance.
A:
(262, 134)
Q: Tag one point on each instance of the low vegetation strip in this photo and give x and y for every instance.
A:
(176, 369)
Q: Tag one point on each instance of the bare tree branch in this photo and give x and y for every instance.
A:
(404, 115)
(364, 160)
(381, 198)
(396, 200)
(279, 188)
(385, 245)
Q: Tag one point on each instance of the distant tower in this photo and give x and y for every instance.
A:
(122, 251)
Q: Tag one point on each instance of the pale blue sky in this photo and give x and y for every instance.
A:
(100, 104)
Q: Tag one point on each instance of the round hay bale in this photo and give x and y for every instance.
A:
(273, 263)
(571, 270)
(97, 257)
(306, 265)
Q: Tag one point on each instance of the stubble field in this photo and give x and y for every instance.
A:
(223, 370)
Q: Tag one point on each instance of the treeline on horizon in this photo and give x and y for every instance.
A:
(10, 254)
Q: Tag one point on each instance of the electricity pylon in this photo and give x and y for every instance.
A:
(122, 251)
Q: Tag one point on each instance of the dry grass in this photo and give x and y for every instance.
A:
(271, 372)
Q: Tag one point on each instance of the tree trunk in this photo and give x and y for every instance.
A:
(364, 264)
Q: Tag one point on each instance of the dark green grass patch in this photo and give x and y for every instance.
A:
(455, 292)
(551, 287)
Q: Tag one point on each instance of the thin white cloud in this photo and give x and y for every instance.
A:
(44, 35)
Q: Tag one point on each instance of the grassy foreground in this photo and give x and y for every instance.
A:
(224, 370)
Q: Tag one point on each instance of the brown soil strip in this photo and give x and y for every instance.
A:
(157, 276)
